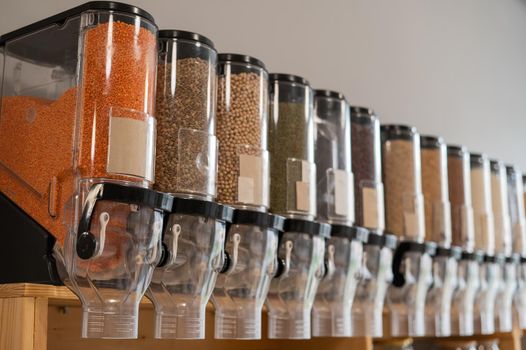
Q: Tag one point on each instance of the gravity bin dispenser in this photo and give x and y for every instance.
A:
(518, 232)
(77, 146)
(503, 247)
(186, 167)
(433, 155)
(332, 310)
(412, 263)
(375, 274)
(243, 182)
(463, 236)
(490, 272)
(293, 195)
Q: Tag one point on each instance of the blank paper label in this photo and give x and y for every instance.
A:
(372, 213)
(411, 224)
(245, 189)
(305, 171)
(302, 196)
(342, 181)
(130, 149)
(250, 172)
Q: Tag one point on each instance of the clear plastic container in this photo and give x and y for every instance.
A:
(463, 308)
(490, 285)
(293, 289)
(77, 123)
(459, 183)
(185, 109)
(291, 147)
(482, 203)
(499, 198)
(401, 170)
(520, 297)
(193, 244)
(504, 304)
(60, 69)
(331, 313)
(241, 289)
(375, 276)
(440, 297)
(433, 153)
(407, 296)
(367, 169)
(242, 123)
(111, 261)
(333, 158)
(516, 209)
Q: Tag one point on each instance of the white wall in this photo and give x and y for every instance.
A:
(451, 68)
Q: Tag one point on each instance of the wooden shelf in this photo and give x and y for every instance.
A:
(40, 317)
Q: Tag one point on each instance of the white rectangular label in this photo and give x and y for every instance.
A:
(245, 189)
(250, 167)
(341, 191)
(372, 215)
(302, 196)
(131, 147)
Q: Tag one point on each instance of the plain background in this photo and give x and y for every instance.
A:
(451, 68)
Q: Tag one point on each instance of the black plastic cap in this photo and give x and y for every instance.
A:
(329, 94)
(256, 218)
(443, 252)
(512, 170)
(456, 150)
(207, 209)
(397, 132)
(477, 158)
(288, 78)
(312, 228)
(429, 141)
(75, 11)
(495, 165)
(513, 259)
(185, 35)
(351, 232)
(239, 58)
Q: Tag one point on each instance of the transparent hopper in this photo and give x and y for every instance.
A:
(242, 287)
(440, 297)
(468, 283)
(331, 313)
(292, 291)
(490, 284)
(194, 237)
(111, 259)
(508, 289)
(375, 277)
(520, 297)
(412, 278)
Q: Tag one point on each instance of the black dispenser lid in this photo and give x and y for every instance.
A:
(397, 132)
(313, 228)
(430, 141)
(329, 94)
(351, 232)
(261, 219)
(234, 57)
(288, 78)
(61, 17)
(186, 35)
(204, 208)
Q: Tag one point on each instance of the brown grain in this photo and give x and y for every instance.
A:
(240, 128)
(183, 106)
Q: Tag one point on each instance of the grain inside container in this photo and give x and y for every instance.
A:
(291, 147)
(459, 183)
(404, 207)
(435, 189)
(186, 159)
(367, 169)
(482, 203)
(499, 199)
(242, 125)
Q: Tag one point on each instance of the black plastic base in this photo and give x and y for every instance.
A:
(25, 249)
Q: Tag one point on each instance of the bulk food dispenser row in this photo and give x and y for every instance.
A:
(140, 162)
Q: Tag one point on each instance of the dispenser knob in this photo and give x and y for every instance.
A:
(86, 245)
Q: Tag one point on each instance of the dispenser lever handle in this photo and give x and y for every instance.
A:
(398, 257)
